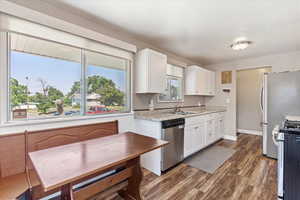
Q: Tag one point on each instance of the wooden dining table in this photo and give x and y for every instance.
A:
(62, 166)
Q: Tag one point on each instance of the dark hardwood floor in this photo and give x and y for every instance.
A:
(246, 175)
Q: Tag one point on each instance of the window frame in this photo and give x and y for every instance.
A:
(182, 88)
(5, 74)
(128, 82)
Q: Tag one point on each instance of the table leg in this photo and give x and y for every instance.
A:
(134, 182)
(66, 192)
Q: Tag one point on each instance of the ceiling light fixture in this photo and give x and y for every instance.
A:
(240, 44)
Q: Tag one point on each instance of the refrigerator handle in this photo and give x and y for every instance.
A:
(261, 99)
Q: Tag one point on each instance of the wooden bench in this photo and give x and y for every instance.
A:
(14, 149)
(13, 186)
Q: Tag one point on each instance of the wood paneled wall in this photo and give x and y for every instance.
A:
(12, 147)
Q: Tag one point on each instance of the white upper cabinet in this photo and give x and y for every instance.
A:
(150, 71)
(199, 81)
(211, 83)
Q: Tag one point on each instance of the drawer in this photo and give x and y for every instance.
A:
(209, 117)
(201, 118)
(221, 114)
(195, 120)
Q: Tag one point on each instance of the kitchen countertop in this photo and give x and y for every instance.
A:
(162, 115)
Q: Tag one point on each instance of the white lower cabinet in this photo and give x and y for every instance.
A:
(201, 131)
(194, 138)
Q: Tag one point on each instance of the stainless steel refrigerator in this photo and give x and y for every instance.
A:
(280, 97)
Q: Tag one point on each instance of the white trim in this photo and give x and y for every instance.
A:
(19, 127)
(230, 137)
(46, 20)
(251, 132)
(4, 70)
(13, 24)
(61, 119)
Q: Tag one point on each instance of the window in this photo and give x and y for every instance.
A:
(174, 85)
(106, 77)
(49, 80)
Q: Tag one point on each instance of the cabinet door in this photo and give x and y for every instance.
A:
(194, 138)
(202, 81)
(157, 69)
(195, 141)
(199, 139)
(212, 83)
(199, 81)
(188, 141)
(191, 81)
(221, 130)
(210, 131)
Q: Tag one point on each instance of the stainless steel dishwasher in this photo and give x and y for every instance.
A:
(173, 132)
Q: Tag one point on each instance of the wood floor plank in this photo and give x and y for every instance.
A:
(247, 175)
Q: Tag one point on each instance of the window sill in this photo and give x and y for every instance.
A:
(59, 121)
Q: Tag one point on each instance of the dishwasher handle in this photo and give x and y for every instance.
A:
(172, 123)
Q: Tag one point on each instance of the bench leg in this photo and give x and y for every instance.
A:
(134, 182)
(66, 192)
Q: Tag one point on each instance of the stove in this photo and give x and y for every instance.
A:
(287, 139)
(291, 127)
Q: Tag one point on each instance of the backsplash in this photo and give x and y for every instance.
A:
(141, 101)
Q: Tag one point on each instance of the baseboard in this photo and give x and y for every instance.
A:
(251, 132)
(230, 137)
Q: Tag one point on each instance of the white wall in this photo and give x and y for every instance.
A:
(249, 83)
(279, 62)
(125, 122)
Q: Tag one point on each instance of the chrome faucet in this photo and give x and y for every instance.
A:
(177, 108)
